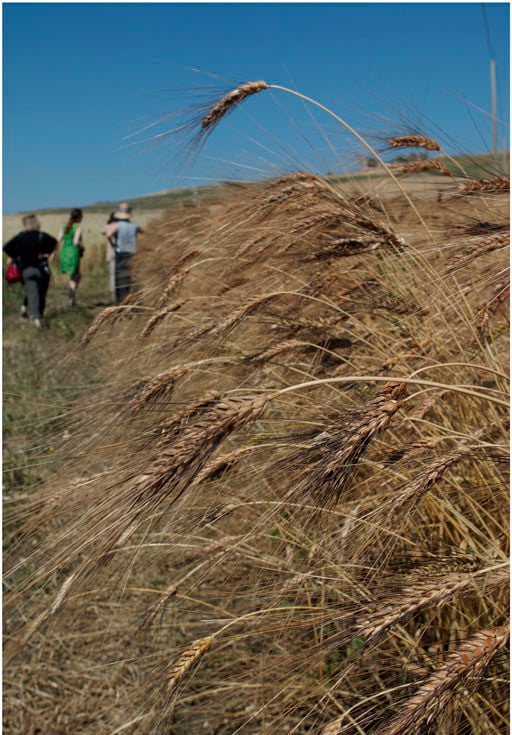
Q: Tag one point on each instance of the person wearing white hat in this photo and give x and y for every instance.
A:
(123, 232)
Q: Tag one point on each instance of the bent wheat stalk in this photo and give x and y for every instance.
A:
(418, 593)
(157, 318)
(416, 167)
(188, 659)
(334, 454)
(233, 98)
(478, 186)
(461, 668)
(414, 141)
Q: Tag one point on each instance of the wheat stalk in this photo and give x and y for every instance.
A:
(177, 461)
(156, 386)
(236, 316)
(287, 345)
(416, 167)
(229, 101)
(186, 662)
(477, 186)
(157, 318)
(419, 593)
(233, 98)
(481, 246)
(461, 668)
(414, 141)
(330, 460)
(109, 314)
(485, 312)
(222, 463)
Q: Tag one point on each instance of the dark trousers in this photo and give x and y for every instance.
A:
(123, 279)
(36, 282)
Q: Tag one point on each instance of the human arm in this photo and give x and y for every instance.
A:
(77, 236)
(110, 230)
(11, 247)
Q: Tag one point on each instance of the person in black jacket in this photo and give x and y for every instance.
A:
(31, 249)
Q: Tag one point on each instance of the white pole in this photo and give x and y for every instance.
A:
(493, 107)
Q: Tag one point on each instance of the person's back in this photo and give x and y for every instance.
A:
(125, 233)
(31, 248)
(27, 245)
(126, 237)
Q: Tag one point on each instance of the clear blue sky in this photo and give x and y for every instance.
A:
(80, 77)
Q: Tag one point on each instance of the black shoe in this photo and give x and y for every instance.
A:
(24, 312)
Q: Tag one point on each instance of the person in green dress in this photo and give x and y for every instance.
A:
(71, 250)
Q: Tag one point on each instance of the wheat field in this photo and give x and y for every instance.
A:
(284, 506)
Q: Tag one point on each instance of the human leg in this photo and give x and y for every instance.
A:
(112, 274)
(74, 280)
(43, 290)
(32, 282)
(122, 276)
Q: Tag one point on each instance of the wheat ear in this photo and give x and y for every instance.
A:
(172, 284)
(186, 662)
(156, 386)
(421, 710)
(485, 312)
(161, 314)
(416, 167)
(424, 481)
(176, 462)
(222, 463)
(418, 593)
(481, 246)
(461, 667)
(236, 316)
(477, 186)
(414, 141)
(110, 314)
(287, 345)
(334, 454)
(231, 100)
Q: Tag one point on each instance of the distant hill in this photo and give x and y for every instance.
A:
(480, 165)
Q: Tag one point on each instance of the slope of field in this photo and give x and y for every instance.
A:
(278, 503)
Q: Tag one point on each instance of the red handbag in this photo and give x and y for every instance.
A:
(13, 273)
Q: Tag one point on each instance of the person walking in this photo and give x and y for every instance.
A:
(111, 254)
(70, 240)
(124, 234)
(32, 250)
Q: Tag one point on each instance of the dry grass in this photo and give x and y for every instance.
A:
(305, 463)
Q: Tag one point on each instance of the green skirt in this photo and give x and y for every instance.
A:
(69, 259)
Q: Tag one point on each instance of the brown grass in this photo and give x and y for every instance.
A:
(337, 540)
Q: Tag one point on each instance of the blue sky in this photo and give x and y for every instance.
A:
(78, 78)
